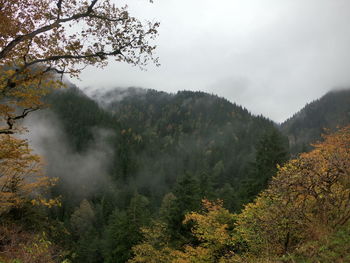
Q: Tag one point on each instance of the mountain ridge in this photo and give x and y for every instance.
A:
(315, 118)
(306, 126)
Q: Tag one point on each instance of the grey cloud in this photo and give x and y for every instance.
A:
(290, 52)
(81, 173)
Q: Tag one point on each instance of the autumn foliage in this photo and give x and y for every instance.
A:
(307, 200)
(21, 177)
(43, 40)
(304, 212)
(20, 246)
(40, 42)
(212, 229)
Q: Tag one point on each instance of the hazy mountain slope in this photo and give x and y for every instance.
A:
(158, 137)
(328, 112)
(79, 115)
(194, 125)
(138, 155)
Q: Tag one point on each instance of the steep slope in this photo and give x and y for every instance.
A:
(186, 132)
(329, 112)
(141, 155)
(79, 115)
(159, 137)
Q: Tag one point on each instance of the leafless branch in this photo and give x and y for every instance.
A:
(11, 120)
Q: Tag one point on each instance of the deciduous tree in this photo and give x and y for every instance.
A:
(212, 228)
(41, 41)
(21, 177)
(43, 38)
(308, 200)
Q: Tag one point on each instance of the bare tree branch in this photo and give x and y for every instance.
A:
(102, 55)
(11, 120)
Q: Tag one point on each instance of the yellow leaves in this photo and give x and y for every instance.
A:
(192, 255)
(45, 202)
(155, 248)
(21, 178)
(261, 225)
(212, 226)
(316, 181)
(41, 42)
(214, 230)
(146, 253)
(21, 91)
(307, 199)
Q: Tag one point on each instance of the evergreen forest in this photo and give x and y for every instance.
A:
(149, 176)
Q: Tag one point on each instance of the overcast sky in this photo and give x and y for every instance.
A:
(270, 56)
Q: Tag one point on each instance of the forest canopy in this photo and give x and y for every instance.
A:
(303, 215)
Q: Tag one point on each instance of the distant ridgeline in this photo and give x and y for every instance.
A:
(159, 137)
(327, 113)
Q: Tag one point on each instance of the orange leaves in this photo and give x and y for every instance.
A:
(308, 199)
(318, 181)
(100, 24)
(21, 178)
(41, 39)
(306, 203)
(21, 93)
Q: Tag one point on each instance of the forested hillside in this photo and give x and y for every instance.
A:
(327, 113)
(133, 175)
(162, 153)
(134, 166)
(303, 216)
